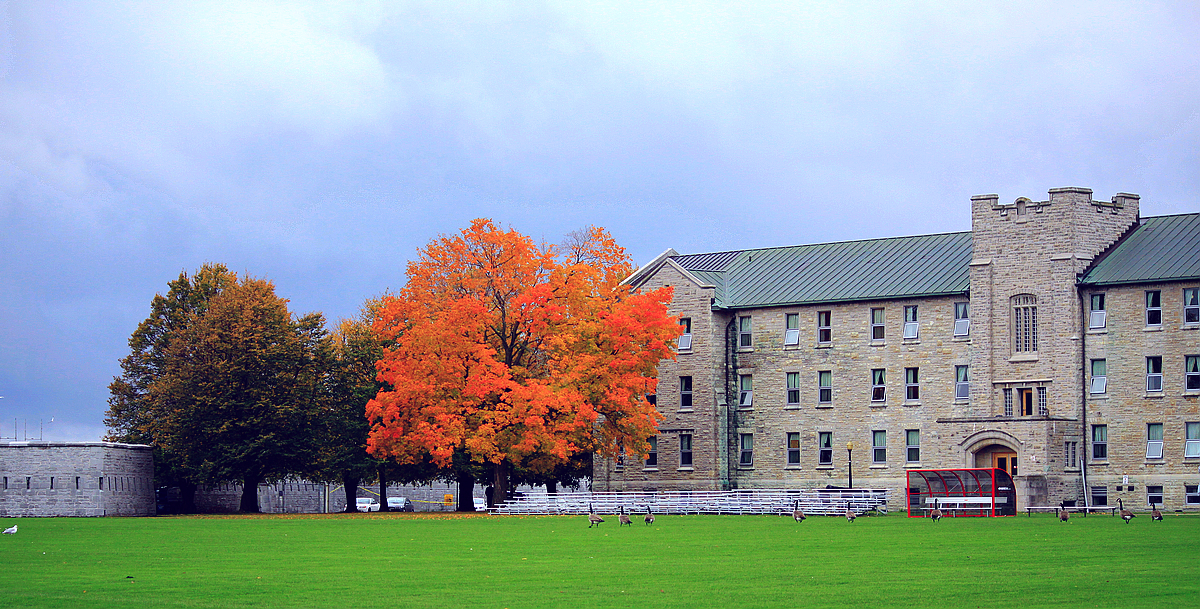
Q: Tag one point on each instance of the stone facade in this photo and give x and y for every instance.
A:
(1019, 403)
(76, 479)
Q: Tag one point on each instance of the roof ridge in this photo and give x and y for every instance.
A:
(782, 247)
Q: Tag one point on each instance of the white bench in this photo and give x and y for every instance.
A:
(959, 504)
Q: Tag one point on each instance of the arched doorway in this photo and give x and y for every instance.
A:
(998, 456)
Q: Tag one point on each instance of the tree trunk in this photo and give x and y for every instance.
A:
(466, 492)
(350, 484)
(250, 494)
(551, 487)
(500, 482)
(187, 497)
(383, 506)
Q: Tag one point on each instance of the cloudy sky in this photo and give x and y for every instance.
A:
(319, 145)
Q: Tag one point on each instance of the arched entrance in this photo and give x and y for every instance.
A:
(998, 456)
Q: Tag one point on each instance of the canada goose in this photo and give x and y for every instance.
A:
(593, 518)
(1126, 515)
(850, 515)
(797, 514)
(1154, 513)
(649, 515)
(1063, 515)
(624, 518)
(936, 514)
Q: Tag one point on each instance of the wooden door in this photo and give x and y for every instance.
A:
(1006, 462)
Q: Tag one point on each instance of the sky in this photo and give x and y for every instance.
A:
(320, 145)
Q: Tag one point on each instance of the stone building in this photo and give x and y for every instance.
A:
(800, 365)
(76, 479)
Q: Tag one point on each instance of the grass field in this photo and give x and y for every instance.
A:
(447, 561)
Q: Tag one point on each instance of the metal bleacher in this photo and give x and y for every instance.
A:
(814, 502)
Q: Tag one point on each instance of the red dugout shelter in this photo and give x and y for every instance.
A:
(961, 492)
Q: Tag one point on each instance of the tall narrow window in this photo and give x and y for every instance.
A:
(825, 386)
(878, 385)
(1025, 335)
(962, 383)
(1043, 407)
(912, 384)
(1099, 442)
(685, 339)
(825, 448)
(1025, 398)
(793, 448)
(1191, 446)
(745, 338)
(1099, 376)
(1191, 305)
(1008, 402)
(877, 324)
(962, 319)
(911, 323)
(685, 393)
(76, 482)
(791, 334)
(652, 455)
(1154, 440)
(1154, 373)
(793, 389)
(746, 455)
(1153, 308)
(1098, 317)
(912, 441)
(824, 327)
(685, 450)
(747, 391)
(51, 482)
(1070, 458)
(878, 446)
(1191, 368)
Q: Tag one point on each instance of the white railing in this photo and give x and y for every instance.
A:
(757, 501)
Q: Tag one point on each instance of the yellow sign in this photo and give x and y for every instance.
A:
(448, 499)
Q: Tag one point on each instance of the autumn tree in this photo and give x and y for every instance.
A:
(519, 355)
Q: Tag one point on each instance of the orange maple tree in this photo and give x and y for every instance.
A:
(519, 354)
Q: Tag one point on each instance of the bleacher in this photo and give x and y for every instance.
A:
(814, 502)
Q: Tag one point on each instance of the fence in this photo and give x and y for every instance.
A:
(758, 501)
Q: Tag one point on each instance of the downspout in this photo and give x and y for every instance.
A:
(1083, 395)
(726, 413)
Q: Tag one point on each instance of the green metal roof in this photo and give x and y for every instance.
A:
(1161, 248)
(898, 267)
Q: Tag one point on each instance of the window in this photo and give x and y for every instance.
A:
(1154, 373)
(793, 388)
(744, 337)
(912, 441)
(1070, 455)
(746, 458)
(824, 327)
(1008, 402)
(1025, 338)
(76, 482)
(685, 450)
(1043, 408)
(1025, 398)
(911, 326)
(1153, 308)
(825, 445)
(962, 383)
(685, 393)
(879, 446)
(1099, 442)
(877, 324)
(1191, 367)
(912, 384)
(791, 335)
(1099, 495)
(962, 319)
(747, 394)
(1099, 376)
(1191, 494)
(1098, 317)
(685, 339)
(1154, 495)
(1191, 446)
(825, 386)
(652, 456)
(793, 448)
(1154, 440)
(101, 482)
(878, 385)
(1191, 305)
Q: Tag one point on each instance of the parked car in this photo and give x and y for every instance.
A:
(399, 504)
(480, 504)
(366, 504)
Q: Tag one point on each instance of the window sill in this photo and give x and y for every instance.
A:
(825, 467)
(1190, 394)
(1152, 329)
(794, 468)
(878, 404)
(912, 341)
(745, 468)
(912, 403)
(958, 402)
(684, 352)
(650, 469)
(1023, 358)
(1097, 396)
(1099, 463)
(745, 349)
(792, 407)
(915, 465)
(1157, 395)
(745, 408)
(961, 339)
(1103, 330)
(1190, 327)
(878, 466)
(830, 405)
(878, 343)
(684, 468)
(823, 346)
(686, 410)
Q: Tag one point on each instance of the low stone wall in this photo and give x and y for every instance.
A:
(76, 479)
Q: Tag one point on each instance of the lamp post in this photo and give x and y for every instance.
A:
(850, 463)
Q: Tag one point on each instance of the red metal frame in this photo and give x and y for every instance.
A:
(955, 483)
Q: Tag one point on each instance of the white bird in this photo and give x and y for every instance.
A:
(11, 530)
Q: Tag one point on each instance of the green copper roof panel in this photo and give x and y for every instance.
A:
(1161, 248)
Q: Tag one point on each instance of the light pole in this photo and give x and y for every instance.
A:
(850, 463)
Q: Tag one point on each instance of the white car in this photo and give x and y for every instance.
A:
(399, 504)
(366, 504)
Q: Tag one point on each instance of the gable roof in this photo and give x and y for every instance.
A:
(1161, 248)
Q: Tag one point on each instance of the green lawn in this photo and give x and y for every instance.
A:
(445, 561)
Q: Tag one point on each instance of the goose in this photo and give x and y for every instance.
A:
(1126, 515)
(649, 515)
(797, 515)
(624, 518)
(850, 515)
(1063, 515)
(936, 514)
(1154, 513)
(593, 518)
